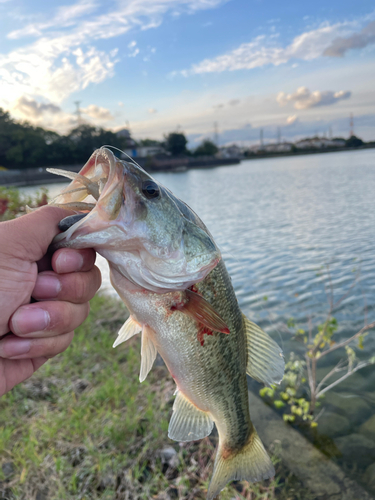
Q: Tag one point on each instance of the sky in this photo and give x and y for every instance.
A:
(239, 67)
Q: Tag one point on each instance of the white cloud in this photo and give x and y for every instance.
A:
(97, 112)
(63, 58)
(341, 45)
(152, 111)
(291, 119)
(304, 99)
(263, 50)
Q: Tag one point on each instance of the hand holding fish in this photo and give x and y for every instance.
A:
(62, 284)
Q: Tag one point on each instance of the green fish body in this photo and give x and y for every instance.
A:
(184, 305)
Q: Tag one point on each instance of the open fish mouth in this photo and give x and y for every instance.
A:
(98, 185)
(87, 186)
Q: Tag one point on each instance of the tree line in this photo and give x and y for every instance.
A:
(23, 145)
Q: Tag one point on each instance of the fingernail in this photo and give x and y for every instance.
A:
(29, 319)
(68, 262)
(46, 287)
(15, 347)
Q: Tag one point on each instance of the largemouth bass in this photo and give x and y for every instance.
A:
(166, 267)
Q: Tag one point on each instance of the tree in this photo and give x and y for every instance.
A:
(149, 142)
(175, 143)
(354, 142)
(206, 148)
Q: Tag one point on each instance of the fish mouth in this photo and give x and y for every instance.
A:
(96, 194)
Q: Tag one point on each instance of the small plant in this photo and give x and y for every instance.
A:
(300, 391)
(13, 202)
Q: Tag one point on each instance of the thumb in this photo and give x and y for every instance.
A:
(29, 236)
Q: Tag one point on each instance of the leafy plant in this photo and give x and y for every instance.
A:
(300, 391)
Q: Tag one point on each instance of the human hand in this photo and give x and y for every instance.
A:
(62, 284)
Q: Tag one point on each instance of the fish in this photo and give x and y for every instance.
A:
(169, 272)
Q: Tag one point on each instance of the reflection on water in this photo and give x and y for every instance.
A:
(277, 221)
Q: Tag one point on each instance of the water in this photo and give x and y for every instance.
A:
(279, 223)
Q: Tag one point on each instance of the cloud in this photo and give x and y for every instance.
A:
(291, 119)
(341, 45)
(63, 58)
(264, 50)
(304, 99)
(97, 112)
(230, 103)
(39, 70)
(30, 108)
(234, 102)
(152, 111)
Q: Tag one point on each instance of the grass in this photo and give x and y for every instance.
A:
(84, 428)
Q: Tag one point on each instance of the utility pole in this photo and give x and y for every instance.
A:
(351, 133)
(330, 132)
(261, 137)
(216, 134)
(78, 113)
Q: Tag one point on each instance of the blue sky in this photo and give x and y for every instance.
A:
(165, 65)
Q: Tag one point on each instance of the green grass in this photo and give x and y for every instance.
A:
(83, 427)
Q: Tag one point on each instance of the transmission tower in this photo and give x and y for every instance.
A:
(78, 113)
(216, 134)
(351, 133)
(278, 135)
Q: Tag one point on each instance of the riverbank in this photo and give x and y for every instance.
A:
(40, 176)
(37, 176)
(84, 427)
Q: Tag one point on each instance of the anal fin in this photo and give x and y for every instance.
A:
(265, 360)
(148, 353)
(188, 423)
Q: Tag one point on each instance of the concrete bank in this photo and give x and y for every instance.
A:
(317, 472)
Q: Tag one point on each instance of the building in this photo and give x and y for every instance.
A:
(320, 143)
(143, 151)
(232, 151)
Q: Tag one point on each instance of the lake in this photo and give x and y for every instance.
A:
(281, 224)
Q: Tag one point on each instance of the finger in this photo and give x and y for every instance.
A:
(72, 287)
(67, 260)
(15, 371)
(36, 230)
(48, 319)
(13, 347)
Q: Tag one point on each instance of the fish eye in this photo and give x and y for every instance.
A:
(150, 189)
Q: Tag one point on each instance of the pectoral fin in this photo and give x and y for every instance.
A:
(128, 329)
(265, 360)
(148, 353)
(188, 423)
(198, 308)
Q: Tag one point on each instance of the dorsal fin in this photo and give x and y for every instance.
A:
(148, 352)
(188, 423)
(265, 360)
(128, 329)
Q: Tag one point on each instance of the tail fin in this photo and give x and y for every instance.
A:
(251, 463)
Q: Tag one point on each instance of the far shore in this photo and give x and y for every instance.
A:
(36, 176)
